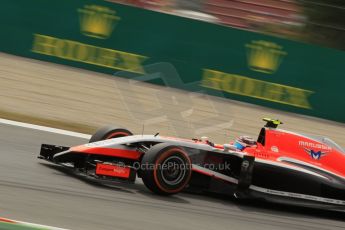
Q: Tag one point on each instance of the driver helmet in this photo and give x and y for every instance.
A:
(243, 142)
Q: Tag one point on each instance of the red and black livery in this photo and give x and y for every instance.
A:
(280, 166)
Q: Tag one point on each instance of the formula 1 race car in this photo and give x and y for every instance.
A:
(280, 166)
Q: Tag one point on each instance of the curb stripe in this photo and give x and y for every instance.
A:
(27, 224)
(6, 220)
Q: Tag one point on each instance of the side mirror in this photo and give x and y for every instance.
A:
(226, 147)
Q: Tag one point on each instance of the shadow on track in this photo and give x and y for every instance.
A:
(250, 206)
(113, 185)
(269, 208)
(273, 208)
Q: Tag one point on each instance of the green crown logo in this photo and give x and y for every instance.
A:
(97, 21)
(264, 57)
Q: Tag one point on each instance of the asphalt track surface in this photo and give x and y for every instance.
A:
(34, 191)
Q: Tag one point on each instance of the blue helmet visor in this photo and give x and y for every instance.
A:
(239, 146)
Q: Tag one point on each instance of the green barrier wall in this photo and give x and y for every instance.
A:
(246, 66)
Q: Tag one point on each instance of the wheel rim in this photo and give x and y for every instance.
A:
(173, 170)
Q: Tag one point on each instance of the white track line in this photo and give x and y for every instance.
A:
(39, 226)
(45, 129)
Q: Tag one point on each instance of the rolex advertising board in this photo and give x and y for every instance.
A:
(246, 66)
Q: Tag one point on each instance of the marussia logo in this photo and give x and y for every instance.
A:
(316, 155)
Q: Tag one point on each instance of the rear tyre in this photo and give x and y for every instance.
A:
(166, 169)
(109, 132)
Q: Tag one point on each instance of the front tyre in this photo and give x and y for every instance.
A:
(166, 169)
(109, 132)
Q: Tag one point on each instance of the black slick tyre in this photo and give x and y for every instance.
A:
(109, 132)
(166, 169)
